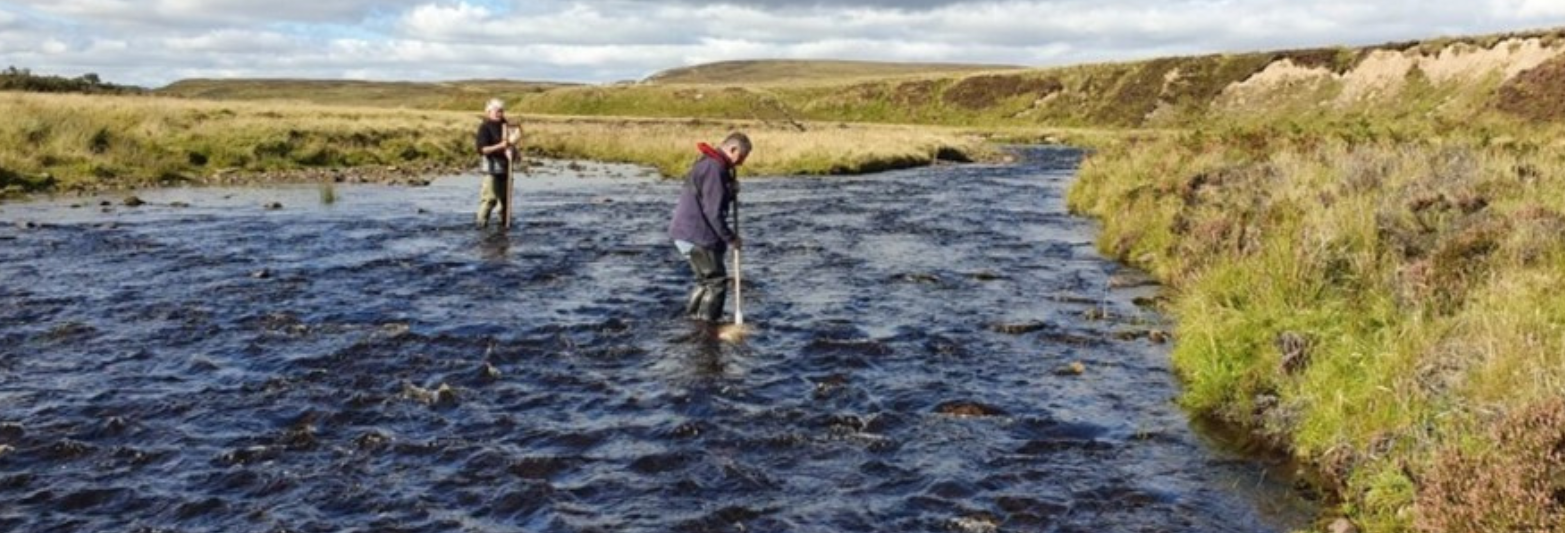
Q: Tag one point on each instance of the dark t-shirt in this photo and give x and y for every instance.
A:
(490, 132)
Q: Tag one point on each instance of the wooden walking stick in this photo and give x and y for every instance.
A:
(514, 135)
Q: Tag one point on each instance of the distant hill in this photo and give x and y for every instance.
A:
(1454, 77)
(788, 70)
(418, 95)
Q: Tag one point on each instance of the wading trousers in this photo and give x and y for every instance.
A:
(492, 195)
(711, 290)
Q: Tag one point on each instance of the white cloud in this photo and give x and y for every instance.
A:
(1528, 9)
(153, 42)
(236, 42)
(185, 13)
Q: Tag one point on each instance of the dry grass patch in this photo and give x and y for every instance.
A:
(90, 143)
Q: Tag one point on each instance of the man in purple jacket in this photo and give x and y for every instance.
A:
(700, 224)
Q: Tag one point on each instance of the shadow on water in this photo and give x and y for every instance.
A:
(936, 349)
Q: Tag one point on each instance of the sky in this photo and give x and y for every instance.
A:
(155, 42)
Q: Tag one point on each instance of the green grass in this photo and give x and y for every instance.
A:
(1422, 270)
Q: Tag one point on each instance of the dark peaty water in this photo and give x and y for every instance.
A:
(378, 365)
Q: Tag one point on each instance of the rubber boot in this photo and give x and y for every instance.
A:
(693, 303)
(711, 284)
(712, 301)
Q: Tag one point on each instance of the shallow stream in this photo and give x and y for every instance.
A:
(938, 349)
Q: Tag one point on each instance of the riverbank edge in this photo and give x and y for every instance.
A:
(1376, 306)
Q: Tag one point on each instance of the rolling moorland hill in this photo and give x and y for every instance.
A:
(1448, 79)
(771, 71)
(412, 95)
(1452, 78)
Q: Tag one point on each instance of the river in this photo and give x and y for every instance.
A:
(937, 349)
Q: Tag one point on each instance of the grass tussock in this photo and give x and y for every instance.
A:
(87, 143)
(77, 143)
(1369, 296)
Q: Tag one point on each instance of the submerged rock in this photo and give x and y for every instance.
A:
(69, 449)
(1075, 368)
(979, 523)
(488, 372)
(115, 425)
(1019, 328)
(253, 454)
(11, 432)
(442, 395)
(371, 440)
(919, 277)
(826, 386)
(134, 201)
(968, 409)
(1129, 335)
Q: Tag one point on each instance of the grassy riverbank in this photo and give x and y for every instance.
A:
(1365, 269)
(1383, 300)
(66, 143)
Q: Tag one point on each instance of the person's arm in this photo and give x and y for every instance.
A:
(488, 143)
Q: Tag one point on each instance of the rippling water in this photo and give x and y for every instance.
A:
(376, 364)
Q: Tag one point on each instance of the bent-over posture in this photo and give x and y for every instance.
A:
(700, 227)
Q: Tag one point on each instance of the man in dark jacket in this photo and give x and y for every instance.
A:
(496, 151)
(700, 223)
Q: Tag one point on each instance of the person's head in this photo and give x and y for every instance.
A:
(495, 109)
(736, 147)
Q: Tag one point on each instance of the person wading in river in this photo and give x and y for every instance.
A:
(700, 223)
(497, 152)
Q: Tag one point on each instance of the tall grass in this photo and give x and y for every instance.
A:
(1370, 298)
(819, 149)
(84, 143)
